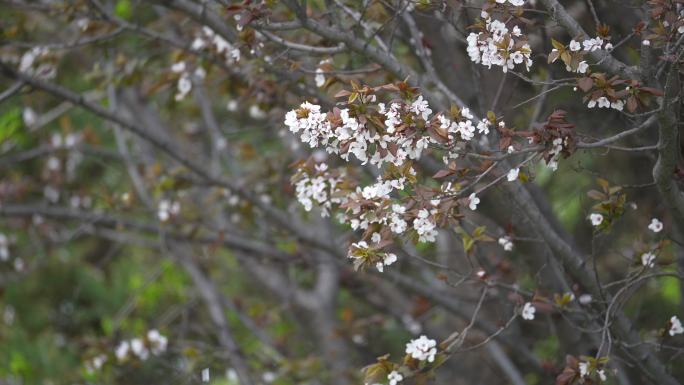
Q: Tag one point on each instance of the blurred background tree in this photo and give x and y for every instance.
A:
(150, 232)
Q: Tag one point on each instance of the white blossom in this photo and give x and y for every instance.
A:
(473, 201)
(422, 349)
(592, 44)
(486, 47)
(617, 105)
(319, 78)
(584, 369)
(394, 377)
(121, 351)
(29, 116)
(424, 226)
(421, 108)
(582, 67)
(513, 174)
(675, 326)
(158, 342)
(33, 62)
(602, 372)
(96, 363)
(596, 219)
(648, 259)
(585, 299)
(656, 225)
(506, 243)
(167, 209)
(139, 349)
(575, 46)
(528, 311)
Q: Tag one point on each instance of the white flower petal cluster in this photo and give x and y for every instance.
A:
(319, 78)
(558, 145)
(421, 108)
(394, 377)
(320, 189)
(18, 262)
(396, 220)
(167, 209)
(513, 174)
(154, 344)
(595, 44)
(96, 363)
(584, 369)
(358, 249)
(349, 136)
(516, 3)
(384, 213)
(158, 342)
(209, 39)
(184, 84)
(656, 225)
(35, 62)
(465, 129)
(424, 226)
(528, 311)
(648, 259)
(422, 349)
(604, 102)
(496, 45)
(311, 124)
(506, 243)
(675, 326)
(596, 219)
(473, 201)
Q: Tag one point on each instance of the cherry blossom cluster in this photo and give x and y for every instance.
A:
(573, 54)
(184, 84)
(463, 127)
(604, 102)
(515, 3)
(342, 133)
(69, 141)
(506, 243)
(585, 369)
(556, 149)
(394, 377)
(38, 62)
(422, 349)
(363, 252)
(321, 188)
(96, 363)
(155, 343)
(648, 259)
(389, 136)
(496, 45)
(167, 209)
(209, 39)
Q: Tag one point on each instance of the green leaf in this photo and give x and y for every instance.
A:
(123, 9)
(10, 124)
(557, 45)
